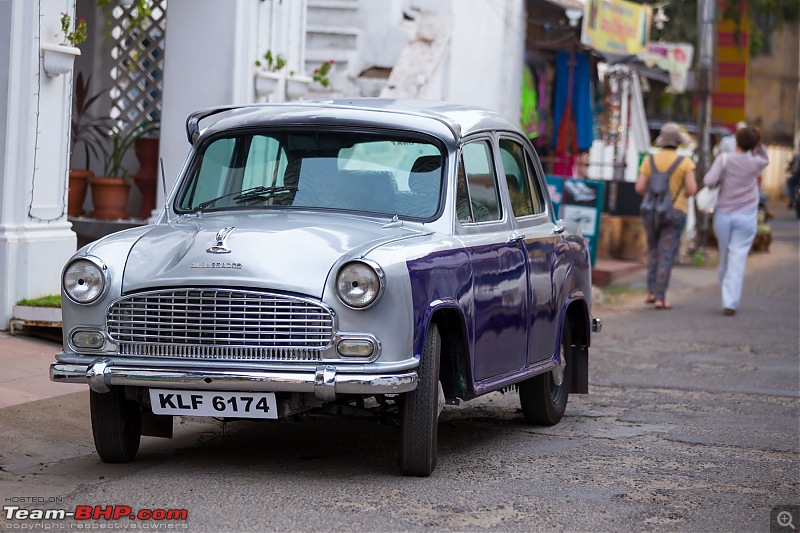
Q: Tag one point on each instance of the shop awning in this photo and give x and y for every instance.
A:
(568, 4)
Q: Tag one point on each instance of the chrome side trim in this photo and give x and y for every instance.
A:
(325, 382)
(597, 325)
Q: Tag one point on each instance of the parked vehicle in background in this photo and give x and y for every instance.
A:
(365, 256)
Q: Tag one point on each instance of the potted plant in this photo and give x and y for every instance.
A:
(110, 191)
(322, 73)
(59, 58)
(146, 178)
(267, 73)
(296, 85)
(87, 131)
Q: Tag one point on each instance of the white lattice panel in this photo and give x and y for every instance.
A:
(137, 71)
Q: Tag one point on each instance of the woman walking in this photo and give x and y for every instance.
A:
(664, 233)
(736, 212)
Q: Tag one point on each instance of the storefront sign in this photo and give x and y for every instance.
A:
(733, 67)
(616, 26)
(580, 201)
(675, 58)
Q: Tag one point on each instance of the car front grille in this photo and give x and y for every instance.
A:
(220, 324)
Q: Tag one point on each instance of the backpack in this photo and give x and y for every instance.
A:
(656, 206)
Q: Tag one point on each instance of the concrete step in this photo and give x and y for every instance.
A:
(331, 38)
(609, 271)
(332, 13)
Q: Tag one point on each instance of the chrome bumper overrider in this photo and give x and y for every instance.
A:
(325, 382)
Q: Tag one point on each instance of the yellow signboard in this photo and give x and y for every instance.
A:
(729, 100)
(616, 26)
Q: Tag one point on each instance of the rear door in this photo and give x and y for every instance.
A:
(539, 237)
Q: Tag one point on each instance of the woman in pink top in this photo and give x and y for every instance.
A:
(736, 212)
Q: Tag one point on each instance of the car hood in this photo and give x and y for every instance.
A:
(283, 251)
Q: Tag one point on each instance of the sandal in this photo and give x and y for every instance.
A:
(651, 298)
(663, 304)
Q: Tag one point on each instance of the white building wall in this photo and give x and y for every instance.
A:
(208, 66)
(487, 54)
(35, 237)
(203, 68)
(469, 52)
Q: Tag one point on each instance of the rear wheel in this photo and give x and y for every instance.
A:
(419, 413)
(116, 425)
(544, 397)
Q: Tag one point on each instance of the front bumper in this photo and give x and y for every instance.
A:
(325, 382)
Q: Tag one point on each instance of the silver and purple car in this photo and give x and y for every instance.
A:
(388, 256)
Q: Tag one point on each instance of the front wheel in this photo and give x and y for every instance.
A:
(116, 425)
(544, 397)
(419, 413)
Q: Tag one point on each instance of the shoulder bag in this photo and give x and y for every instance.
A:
(706, 198)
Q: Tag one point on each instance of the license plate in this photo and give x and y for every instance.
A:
(216, 403)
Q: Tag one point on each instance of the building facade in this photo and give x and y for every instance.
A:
(166, 61)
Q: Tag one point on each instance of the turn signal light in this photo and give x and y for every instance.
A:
(88, 339)
(355, 348)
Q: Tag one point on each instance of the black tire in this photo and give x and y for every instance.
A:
(419, 413)
(544, 401)
(116, 425)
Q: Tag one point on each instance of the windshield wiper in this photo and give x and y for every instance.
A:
(247, 194)
(262, 192)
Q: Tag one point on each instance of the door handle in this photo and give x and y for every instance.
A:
(516, 237)
(557, 229)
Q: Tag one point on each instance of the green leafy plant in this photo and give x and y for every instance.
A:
(271, 62)
(322, 72)
(121, 142)
(51, 300)
(88, 130)
(139, 13)
(76, 36)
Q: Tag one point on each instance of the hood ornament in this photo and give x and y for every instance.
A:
(221, 247)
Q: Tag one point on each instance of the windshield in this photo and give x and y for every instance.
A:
(363, 172)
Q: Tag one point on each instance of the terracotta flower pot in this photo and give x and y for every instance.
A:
(78, 185)
(109, 197)
(146, 149)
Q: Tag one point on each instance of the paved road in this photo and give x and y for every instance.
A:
(692, 424)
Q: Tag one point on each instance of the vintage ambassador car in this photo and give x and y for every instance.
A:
(363, 255)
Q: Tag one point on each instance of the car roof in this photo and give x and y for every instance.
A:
(441, 119)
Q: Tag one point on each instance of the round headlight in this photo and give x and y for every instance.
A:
(359, 285)
(84, 281)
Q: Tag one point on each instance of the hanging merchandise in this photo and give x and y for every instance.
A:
(573, 114)
(529, 120)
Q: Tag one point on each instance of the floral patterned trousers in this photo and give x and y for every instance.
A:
(663, 243)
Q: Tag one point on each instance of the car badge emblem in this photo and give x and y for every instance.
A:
(221, 247)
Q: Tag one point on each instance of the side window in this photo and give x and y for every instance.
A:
(477, 199)
(533, 179)
(513, 156)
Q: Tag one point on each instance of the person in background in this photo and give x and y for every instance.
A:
(736, 212)
(663, 241)
(793, 181)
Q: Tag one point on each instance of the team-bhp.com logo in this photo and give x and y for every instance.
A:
(97, 512)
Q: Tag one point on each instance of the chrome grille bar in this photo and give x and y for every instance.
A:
(213, 323)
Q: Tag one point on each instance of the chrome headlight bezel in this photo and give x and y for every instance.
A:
(102, 275)
(379, 279)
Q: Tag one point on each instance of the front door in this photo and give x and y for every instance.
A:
(499, 271)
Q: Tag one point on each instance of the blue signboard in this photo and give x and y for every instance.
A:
(579, 201)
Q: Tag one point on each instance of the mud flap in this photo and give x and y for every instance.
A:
(580, 370)
(156, 425)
